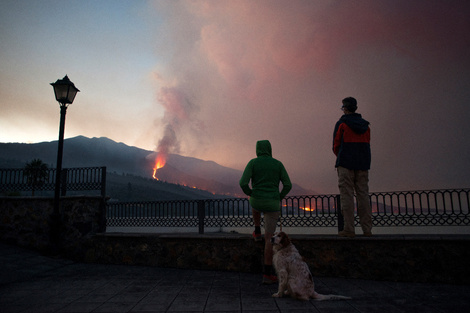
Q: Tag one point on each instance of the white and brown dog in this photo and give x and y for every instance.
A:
(293, 273)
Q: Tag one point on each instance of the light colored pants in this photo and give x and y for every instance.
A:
(270, 209)
(270, 220)
(348, 182)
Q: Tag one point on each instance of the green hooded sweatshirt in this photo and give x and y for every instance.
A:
(265, 173)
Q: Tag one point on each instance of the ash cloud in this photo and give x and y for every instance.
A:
(241, 71)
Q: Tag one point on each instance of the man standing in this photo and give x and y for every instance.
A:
(351, 145)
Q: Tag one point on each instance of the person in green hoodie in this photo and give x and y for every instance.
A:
(265, 174)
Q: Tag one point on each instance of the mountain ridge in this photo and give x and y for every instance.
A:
(120, 158)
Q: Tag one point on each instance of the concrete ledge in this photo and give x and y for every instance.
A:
(417, 258)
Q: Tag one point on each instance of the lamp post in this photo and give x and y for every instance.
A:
(65, 92)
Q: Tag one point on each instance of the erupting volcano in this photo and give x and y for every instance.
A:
(160, 161)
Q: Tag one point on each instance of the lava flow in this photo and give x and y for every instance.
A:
(159, 163)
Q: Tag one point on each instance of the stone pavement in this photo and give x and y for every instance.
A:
(30, 282)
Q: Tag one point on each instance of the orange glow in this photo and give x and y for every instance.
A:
(159, 163)
(307, 209)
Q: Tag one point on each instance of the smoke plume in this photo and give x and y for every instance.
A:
(247, 70)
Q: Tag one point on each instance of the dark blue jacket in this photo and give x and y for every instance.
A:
(351, 142)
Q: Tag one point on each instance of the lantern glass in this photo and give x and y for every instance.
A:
(64, 90)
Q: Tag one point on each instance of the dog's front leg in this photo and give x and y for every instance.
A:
(282, 277)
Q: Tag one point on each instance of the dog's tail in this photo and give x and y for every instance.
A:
(320, 297)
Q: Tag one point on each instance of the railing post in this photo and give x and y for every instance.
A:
(103, 181)
(63, 182)
(103, 206)
(102, 216)
(340, 214)
(200, 215)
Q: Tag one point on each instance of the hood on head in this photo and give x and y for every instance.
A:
(263, 147)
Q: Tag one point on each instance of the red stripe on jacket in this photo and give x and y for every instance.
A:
(348, 135)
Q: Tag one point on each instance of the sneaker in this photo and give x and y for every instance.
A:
(344, 233)
(257, 237)
(269, 279)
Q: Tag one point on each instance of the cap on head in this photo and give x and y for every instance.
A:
(350, 104)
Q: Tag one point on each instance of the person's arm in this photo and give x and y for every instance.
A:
(245, 179)
(337, 137)
(286, 183)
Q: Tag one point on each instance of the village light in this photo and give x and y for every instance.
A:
(65, 92)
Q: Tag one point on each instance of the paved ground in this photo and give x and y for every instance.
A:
(30, 282)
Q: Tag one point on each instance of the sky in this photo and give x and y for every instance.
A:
(207, 79)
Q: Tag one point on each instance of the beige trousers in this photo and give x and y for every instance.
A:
(348, 182)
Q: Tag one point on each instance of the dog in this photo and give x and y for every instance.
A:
(293, 273)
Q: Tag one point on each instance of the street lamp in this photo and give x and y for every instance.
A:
(65, 92)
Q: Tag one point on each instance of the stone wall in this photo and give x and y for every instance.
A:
(26, 222)
(394, 258)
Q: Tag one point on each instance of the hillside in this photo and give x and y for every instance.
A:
(131, 166)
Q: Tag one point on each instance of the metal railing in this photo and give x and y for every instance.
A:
(72, 179)
(405, 208)
(448, 207)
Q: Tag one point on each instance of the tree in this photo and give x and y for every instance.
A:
(36, 172)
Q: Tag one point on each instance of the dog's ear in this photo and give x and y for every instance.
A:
(285, 241)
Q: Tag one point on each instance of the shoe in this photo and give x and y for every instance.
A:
(269, 279)
(368, 234)
(257, 237)
(344, 233)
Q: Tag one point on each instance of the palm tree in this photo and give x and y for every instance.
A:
(36, 172)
